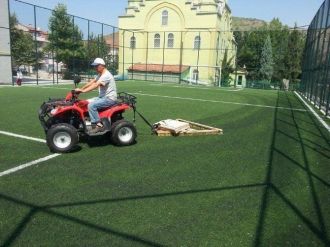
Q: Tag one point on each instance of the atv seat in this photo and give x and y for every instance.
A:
(107, 108)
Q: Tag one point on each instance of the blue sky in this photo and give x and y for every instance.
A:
(107, 11)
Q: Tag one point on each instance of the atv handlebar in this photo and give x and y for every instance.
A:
(72, 96)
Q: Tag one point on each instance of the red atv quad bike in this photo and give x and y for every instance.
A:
(65, 120)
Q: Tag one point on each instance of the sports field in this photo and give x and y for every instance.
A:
(265, 182)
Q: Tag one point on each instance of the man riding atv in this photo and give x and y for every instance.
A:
(106, 84)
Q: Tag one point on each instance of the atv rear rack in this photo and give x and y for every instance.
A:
(127, 99)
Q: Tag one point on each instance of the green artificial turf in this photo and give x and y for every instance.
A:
(15, 151)
(265, 182)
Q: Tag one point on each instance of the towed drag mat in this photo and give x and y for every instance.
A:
(181, 127)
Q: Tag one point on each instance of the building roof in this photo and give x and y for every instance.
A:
(112, 39)
(30, 28)
(158, 68)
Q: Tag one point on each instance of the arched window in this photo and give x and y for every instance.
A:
(197, 42)
(164, 17)
(157, 40)
(133, 42)
(170, 40)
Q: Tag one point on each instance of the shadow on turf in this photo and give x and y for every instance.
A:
(269, 186)
(319, 229)
(323, 148)
(35, 209)
(302, 129)
(98, 141)
(49, 209)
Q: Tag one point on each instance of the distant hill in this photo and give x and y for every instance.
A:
(243, 24)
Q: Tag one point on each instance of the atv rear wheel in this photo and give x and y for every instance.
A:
(123, 133)
(62, 138)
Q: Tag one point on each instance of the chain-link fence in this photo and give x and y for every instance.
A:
(263, 58)
(316, 77)
(64, 45)
(193, 57)
(50, 46)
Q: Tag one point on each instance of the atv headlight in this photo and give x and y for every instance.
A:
(54, 111)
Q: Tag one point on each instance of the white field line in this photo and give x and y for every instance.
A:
(47, 84)
(204, 100)
(20, 167)
(35, 84)
(60, 88)
(22, 137)
(17, 168)
(200, 88)
(326, 126)
(220, 101)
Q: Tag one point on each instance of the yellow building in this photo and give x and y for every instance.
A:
(182, 40)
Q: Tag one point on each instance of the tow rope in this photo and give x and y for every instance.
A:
(144, 119)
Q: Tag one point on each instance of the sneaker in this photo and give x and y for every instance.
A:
(96, 128)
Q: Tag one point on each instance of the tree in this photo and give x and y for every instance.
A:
(266, 61)
(293, 58)
(226, 70)
(22, 45)
(66, 39)
(97, 47)
(279, 35)
(249, 48)
(287, 49)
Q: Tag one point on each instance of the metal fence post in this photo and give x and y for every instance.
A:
(113, 48)
(36, 43)
(199, 47)
(102, 42)
(163, 58)
(98, 45)
(88, 38)
(53, 65)
(123, 54)
(328, 104)
(217, 58)
(132, 48)
(325, 66)
(73, 37)
(181, 50)
(319, 75)
(311, 61)
(315, 83)
(147, 53)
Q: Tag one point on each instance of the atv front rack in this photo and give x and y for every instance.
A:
(47, 107)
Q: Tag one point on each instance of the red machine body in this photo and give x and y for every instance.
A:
(81, 108)
(65, 119)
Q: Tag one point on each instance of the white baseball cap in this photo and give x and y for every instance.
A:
(98, 61)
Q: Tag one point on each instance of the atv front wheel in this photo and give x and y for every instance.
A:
(123, 133)
(62, 138)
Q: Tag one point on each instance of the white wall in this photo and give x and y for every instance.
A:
(5, 59)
